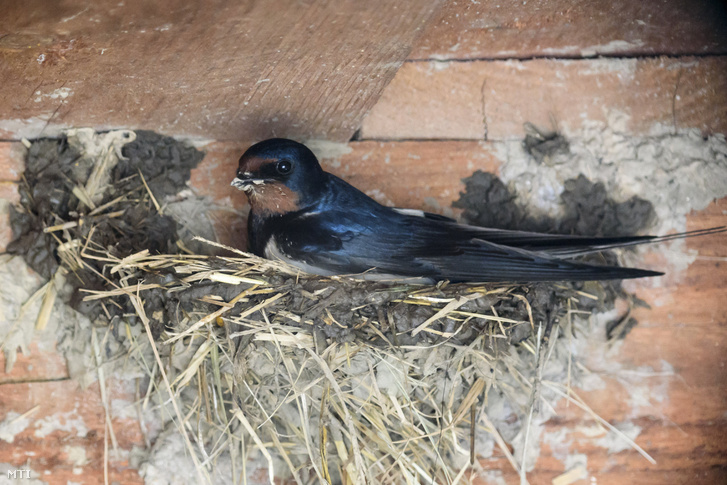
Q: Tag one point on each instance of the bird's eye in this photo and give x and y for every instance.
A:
(284, 167)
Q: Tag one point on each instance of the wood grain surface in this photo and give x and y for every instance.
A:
(569, 28)
(214, 69)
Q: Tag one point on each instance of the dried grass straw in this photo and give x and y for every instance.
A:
(334, 396)
(327, 411)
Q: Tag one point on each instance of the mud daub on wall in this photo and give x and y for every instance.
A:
(588, 211)
(124, 217)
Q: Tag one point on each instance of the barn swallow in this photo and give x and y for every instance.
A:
(320, 224)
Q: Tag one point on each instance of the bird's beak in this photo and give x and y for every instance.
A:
(238, 183)
(246, 183)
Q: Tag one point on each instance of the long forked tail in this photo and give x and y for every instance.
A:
(570, 246)
(637, 240)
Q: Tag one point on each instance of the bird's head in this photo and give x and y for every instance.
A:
(279, 176)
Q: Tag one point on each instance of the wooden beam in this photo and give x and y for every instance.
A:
(215, 69)
(569, 28)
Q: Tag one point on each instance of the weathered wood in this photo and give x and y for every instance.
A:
(491, 100)
(216, 69)
(569, 28)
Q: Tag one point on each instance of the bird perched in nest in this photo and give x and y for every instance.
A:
(315, 221)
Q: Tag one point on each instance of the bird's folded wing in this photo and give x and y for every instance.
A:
(569, 245)
(341, 243)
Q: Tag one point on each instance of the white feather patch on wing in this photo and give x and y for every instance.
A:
(409, 212)
(273, 251)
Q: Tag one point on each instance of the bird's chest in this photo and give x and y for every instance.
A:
(259, 231)
(271, 199)
(266, 232)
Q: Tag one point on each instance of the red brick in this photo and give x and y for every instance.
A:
(453, 100)
(12, 164)
(38, 364)
(418, 175)
(9, 192)
(214, 173)
(12, 161)
(6, 233)
(211, 178)
(61, 401)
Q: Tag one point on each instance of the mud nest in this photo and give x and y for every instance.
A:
(321, 379)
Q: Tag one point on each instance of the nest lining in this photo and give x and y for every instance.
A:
(338, 402)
